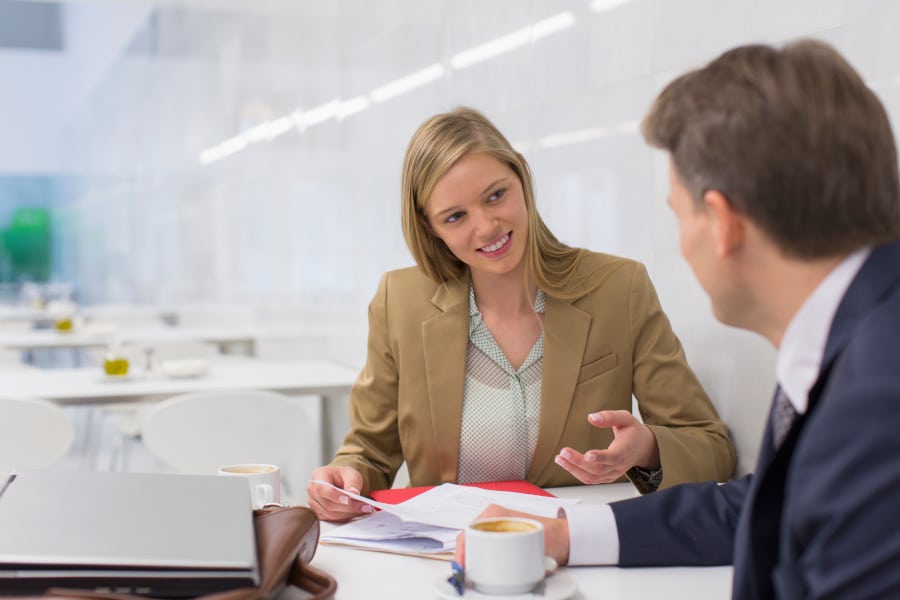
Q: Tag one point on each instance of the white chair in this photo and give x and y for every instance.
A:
(202, 431)
(123, 418)
(33, 434)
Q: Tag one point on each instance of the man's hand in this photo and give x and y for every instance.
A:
(556, 534)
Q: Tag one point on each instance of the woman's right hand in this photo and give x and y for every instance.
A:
(330, 504)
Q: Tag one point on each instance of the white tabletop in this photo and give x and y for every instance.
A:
(26, 314)
(363, 574)
(23, 314)
(328, 380)
(50, 338)
(91, 386)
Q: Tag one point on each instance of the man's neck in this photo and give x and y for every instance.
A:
(782, 286)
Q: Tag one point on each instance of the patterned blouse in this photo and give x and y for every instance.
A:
(501, 405)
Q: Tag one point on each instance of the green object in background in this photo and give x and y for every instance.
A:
(27, 244)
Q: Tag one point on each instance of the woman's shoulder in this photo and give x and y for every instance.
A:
(598, 264)
(409, 278)
(409, 292)
(413, 286)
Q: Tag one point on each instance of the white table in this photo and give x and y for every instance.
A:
(324, 378)
(25, 314)
(45, 339)
(362, 574)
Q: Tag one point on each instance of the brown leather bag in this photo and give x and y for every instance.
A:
(286, 540)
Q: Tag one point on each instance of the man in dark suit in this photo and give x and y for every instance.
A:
(784, 180)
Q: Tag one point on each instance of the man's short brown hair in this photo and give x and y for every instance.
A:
(793, 138)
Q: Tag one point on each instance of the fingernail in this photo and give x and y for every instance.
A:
(567, 454)
(591, 458)
(353, 490)
(558, 460)
(366, 508)
(595, 417)
(344, 500)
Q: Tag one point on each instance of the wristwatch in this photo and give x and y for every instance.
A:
(646, 480)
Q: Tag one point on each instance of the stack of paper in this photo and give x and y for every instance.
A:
(429, 523)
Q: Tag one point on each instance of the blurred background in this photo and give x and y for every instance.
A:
(239, 161)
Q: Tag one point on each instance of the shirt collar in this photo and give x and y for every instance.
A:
(803, 345)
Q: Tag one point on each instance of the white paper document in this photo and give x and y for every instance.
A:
(429, 523)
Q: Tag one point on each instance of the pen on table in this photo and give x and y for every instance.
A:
(458, 578)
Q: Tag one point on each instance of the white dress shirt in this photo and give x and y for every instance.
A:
(593, 536)
(803, 345)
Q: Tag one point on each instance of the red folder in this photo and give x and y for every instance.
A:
(398, 495)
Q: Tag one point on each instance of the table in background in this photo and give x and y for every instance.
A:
(326, 379)
(47, 339)
(23, 314)
(363, 574)
(26, 314)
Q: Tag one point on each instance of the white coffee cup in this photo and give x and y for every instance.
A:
(264, 480)
(505, 555)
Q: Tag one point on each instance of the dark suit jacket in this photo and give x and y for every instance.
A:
(821, 516)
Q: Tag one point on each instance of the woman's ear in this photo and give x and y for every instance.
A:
(423, 220)
(728, 224)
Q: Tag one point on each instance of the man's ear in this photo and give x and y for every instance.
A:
(728, 224)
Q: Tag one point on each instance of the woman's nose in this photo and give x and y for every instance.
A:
(484, 222)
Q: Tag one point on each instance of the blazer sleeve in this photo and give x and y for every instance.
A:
(694, 444)
(373, 444)
(691, 524)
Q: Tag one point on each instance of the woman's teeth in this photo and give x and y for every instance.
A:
(496, 245)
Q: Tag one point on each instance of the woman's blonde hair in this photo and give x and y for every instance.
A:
(434, 148)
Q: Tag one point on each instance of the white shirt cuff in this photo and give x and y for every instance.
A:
(593, 536)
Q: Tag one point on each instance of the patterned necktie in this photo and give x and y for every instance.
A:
(782, 416)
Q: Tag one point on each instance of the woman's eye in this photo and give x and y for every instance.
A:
(454, 217)
(496, 195)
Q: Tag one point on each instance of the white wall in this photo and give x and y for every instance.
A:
(304, 224)
(43, 90)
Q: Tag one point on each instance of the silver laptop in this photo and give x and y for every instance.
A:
(150, 534)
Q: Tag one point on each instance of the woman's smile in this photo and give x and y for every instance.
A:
(497, 248)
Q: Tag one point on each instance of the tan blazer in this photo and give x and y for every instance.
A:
(610, 343)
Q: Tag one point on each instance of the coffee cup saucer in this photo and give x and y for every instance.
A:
(558, 586)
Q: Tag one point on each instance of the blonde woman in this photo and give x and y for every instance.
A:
(505, 354)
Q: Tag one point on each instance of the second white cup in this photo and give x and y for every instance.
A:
(264, 481)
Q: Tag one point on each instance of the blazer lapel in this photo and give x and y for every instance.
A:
(565, 337)
(878, 276)
(445, 339)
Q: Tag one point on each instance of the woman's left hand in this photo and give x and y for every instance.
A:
(634, 445)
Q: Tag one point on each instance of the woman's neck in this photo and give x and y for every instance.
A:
(505, 294)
